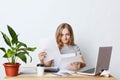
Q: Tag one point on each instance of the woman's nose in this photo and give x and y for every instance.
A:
(65, 36)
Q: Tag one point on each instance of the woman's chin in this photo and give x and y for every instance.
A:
(65, 42)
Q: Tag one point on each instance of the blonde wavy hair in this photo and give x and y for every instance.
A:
(59, 34)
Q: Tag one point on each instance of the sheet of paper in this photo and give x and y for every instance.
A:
(64, 72)
(68, 55)
(51, 48)
(65, 62)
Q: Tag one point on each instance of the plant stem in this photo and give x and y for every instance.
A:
(8, 60)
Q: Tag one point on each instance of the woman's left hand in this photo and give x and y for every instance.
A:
(74, 66)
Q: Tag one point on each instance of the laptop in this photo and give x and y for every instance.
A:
(103, 62)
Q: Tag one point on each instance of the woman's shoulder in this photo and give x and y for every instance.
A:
(76, 47)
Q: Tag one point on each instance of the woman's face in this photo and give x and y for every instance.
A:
(65, 36)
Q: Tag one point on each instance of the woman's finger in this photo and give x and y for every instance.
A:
(43, 53)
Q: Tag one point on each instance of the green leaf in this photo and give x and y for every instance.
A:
(21, 44)
(25, 52)
(13, 34)
(5, 55)
(22, 50)
(3, 49)
(6, 39)
(22, 56)
(31, 49)
(9, 54)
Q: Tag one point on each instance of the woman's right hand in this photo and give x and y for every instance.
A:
(42, 56)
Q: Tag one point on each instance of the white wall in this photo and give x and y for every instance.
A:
(95, 23)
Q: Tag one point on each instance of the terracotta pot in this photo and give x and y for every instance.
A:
(11, 69)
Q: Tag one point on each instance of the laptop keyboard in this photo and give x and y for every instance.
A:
(92, 70)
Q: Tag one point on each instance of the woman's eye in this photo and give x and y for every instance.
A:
(65, 34)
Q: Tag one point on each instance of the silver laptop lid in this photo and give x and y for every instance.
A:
(103, 60)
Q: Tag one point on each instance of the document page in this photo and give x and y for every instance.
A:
(51, 48)
(64, 72)
(67, 59)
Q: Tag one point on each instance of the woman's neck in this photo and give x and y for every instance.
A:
(66, 45)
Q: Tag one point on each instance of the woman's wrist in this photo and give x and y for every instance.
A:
(41, 61)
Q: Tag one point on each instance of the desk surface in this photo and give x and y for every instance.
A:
(50, 76)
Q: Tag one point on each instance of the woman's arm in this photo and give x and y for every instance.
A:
(82, 62)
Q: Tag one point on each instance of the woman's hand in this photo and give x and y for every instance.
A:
(42, 56)
(74, 66)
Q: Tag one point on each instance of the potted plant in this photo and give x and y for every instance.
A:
(16, 50)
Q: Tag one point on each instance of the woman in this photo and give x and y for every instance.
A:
(65, 41)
